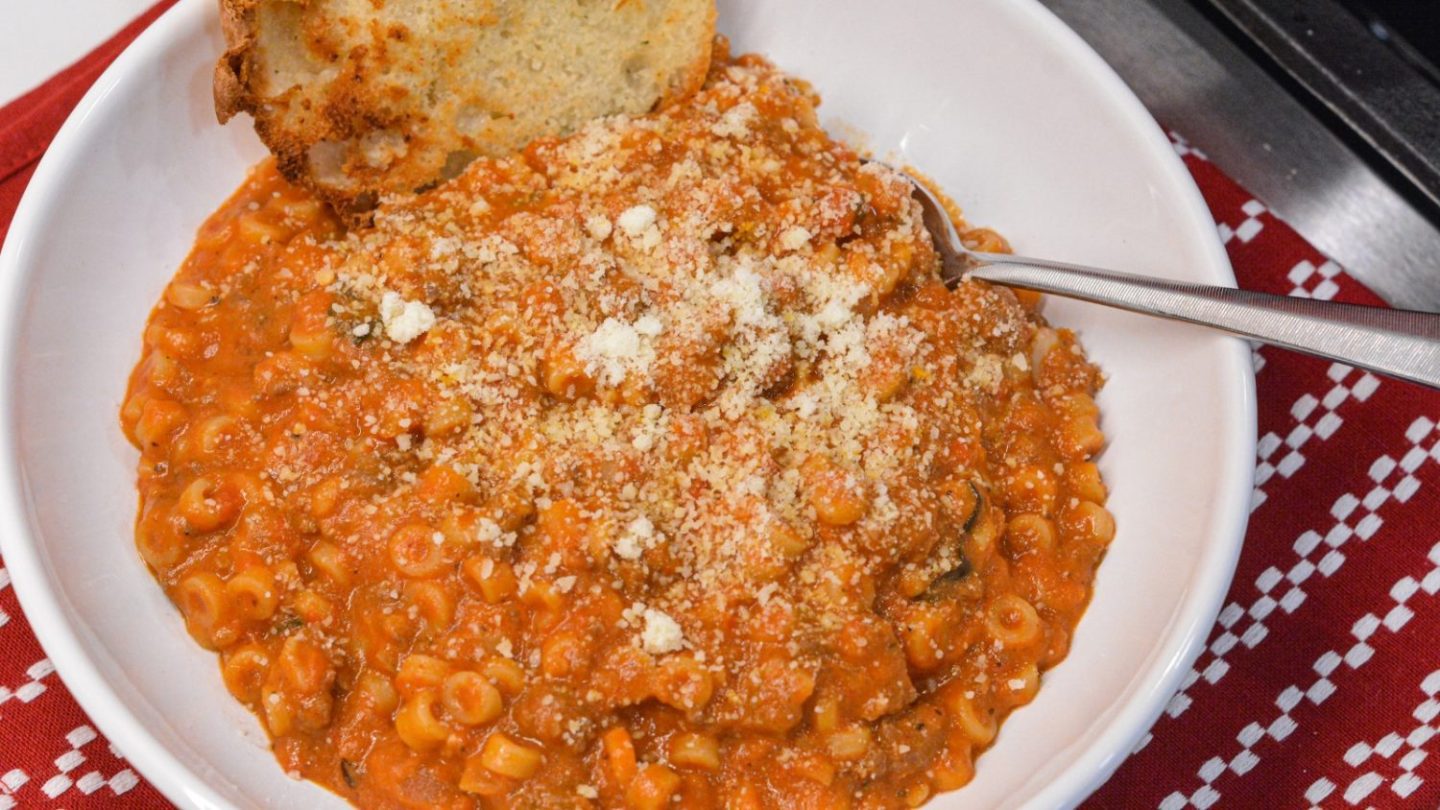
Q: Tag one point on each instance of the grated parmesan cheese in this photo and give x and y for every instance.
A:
(404, 320)
(661, 634)
(598, 227)
(638, 536)
(735, 122)
(616, 349)
(794, 238)
(634, 221)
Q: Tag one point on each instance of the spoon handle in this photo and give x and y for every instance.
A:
(1396, 342)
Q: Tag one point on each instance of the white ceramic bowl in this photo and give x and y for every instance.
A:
(998, 101)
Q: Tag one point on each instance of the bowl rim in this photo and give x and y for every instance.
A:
(1199, 609)
(31, 575)
(43, 605)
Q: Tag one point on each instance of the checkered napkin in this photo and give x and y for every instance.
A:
(1320, 685)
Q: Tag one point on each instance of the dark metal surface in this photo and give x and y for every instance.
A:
(1410, 27)
(1370, 86)
(1200, 84)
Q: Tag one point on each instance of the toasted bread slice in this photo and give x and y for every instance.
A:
(358, 98)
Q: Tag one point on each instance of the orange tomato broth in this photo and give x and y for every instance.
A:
(651, 466)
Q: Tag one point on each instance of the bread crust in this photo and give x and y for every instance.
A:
(237, 25)
(346, 132)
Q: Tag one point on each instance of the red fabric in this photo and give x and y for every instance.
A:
(1320, 682)
(1319, 685)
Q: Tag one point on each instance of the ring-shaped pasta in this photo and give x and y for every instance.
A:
(1012, 621)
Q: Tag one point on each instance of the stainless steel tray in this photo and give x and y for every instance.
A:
(1201, 83)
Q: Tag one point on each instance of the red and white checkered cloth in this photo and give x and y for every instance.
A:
(1321, 682)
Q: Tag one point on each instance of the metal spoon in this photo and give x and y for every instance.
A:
(1397, 342)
